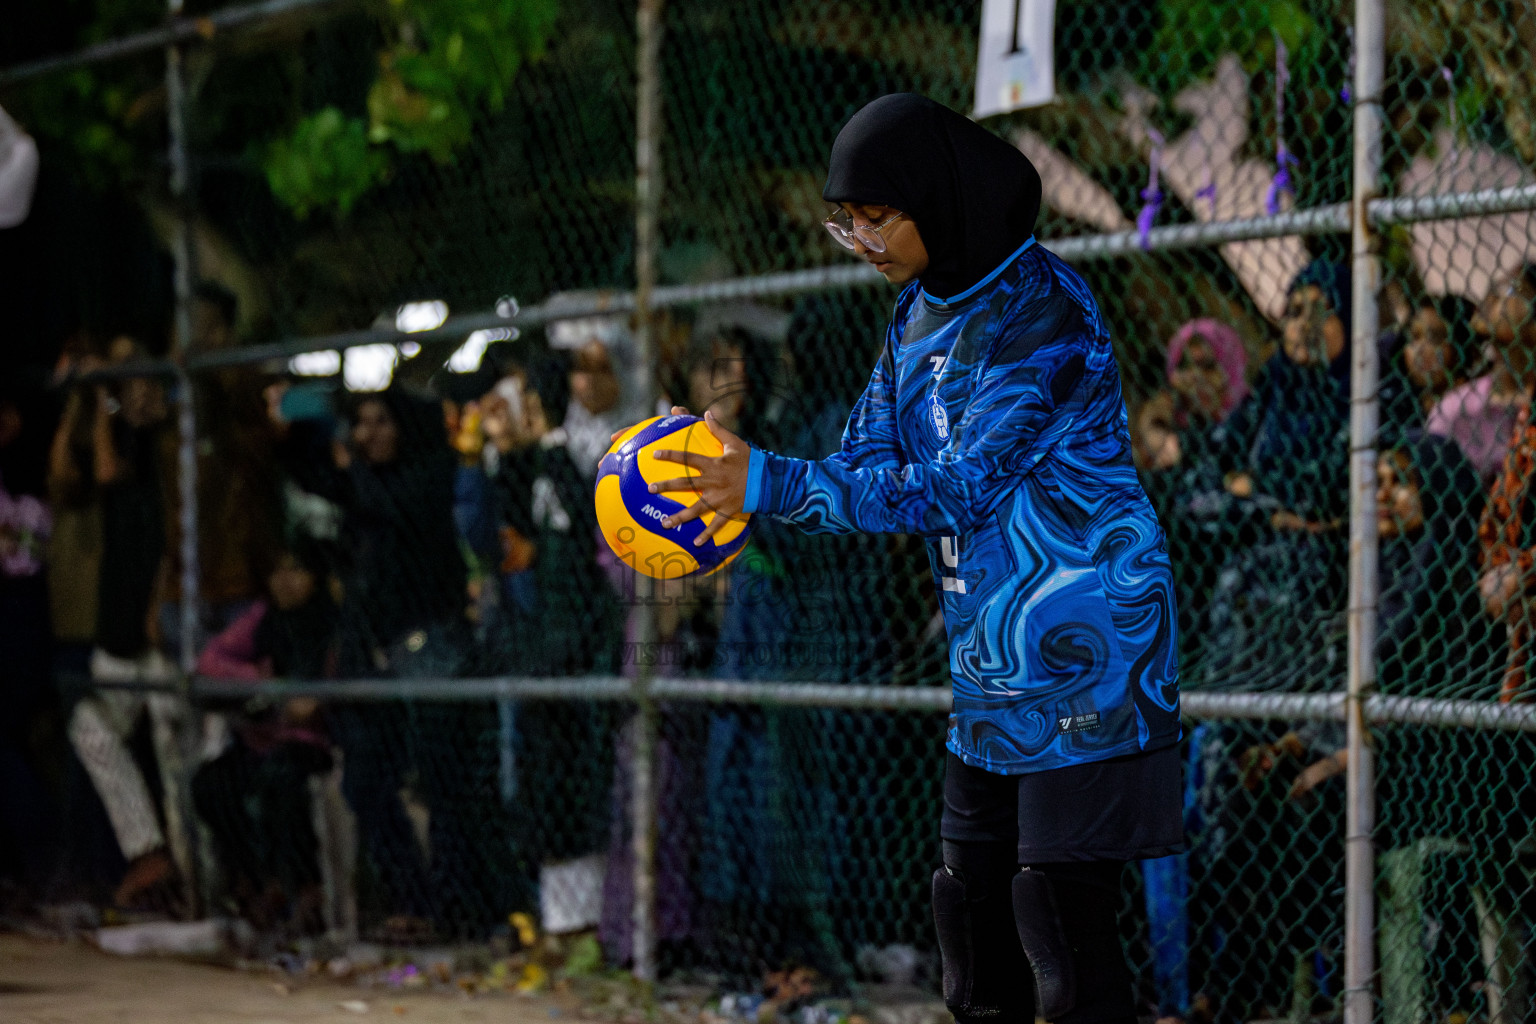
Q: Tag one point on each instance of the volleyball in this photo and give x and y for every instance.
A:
(630, 516)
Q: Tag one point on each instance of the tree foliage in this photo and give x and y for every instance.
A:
(443, 63)
(327, 162)
(438, 67)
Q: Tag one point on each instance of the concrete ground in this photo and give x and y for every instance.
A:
(74, 983)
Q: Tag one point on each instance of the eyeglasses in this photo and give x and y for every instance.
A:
(867, 235)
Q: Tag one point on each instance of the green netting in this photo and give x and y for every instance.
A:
(1453, 825)
(796, 837)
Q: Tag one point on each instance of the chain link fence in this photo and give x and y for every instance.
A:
(427, 705)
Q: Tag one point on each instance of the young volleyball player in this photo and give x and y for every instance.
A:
(994, 426)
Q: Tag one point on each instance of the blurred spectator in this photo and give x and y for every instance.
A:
(1180, 438)
(716, 375)
(475, 515)
(403, 614)
(497, 407)
(1287, 437)
(686, 622)
(592, 414)
(713, 376)
(1207, 368)
(572, 626)
(26, 811)
(823, 582)
(768, 854)
(215, 311)
(1434, 642)
(304, 426)
(710, 373)
(547, 500)
(290, 634)
(1426, 505)
(404, 576)
(1293, 786)
(1281, 586)
(1430, 635)
(1480, 415)
(131, 446)
(474, 502)
(254, 795)
(238, 488)
(1420, 366)
(1275, 875)
(74, 553)
(1508, 548)
(848, 623)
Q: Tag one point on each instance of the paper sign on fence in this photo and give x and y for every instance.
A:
(1015, 66)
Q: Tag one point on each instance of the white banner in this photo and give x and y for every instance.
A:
(1016, 65)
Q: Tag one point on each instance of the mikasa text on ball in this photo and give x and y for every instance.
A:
(629, 516)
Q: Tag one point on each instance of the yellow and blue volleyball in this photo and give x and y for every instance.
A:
(630, 516)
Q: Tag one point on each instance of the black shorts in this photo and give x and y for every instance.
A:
(1125, 808)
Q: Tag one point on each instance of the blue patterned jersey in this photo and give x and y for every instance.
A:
(994, 426)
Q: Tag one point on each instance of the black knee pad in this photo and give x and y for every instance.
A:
(1044, 939)
(984, 976)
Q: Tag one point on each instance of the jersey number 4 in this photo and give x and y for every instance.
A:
(949, 553)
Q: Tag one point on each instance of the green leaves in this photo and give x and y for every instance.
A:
(1191, 37)
(326, 163)
(450, 59)
(93, 120)
(446, 62)
(441, 66)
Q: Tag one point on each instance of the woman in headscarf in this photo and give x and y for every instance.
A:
(1431, 641)
(1288, 438)
(1481, 414)
(1286, 455)
(404, 595)
(994, 426)
(1421, 365)
(1207, 367)
(1179, 436)
(1428, 503)
(406, 591)
(254, 796)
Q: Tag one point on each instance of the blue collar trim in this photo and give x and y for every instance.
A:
(979, 285)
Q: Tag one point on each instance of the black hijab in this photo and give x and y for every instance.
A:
(1425, 577)
(973, 197)
(299, 640)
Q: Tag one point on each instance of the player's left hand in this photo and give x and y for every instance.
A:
(721, 481)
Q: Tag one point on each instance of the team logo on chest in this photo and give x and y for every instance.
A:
(938, 415)
(936, 411)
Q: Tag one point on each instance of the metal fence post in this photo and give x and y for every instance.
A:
(186, 414)
(1359, 867)
(185, 831)
(647, 205)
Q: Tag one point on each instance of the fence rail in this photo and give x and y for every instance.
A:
(1198, 705)
(177, 31)
(1323, 220)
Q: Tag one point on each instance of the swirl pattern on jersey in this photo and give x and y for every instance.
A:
(996, 429)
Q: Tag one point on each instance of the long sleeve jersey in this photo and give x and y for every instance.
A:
(994, 427)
